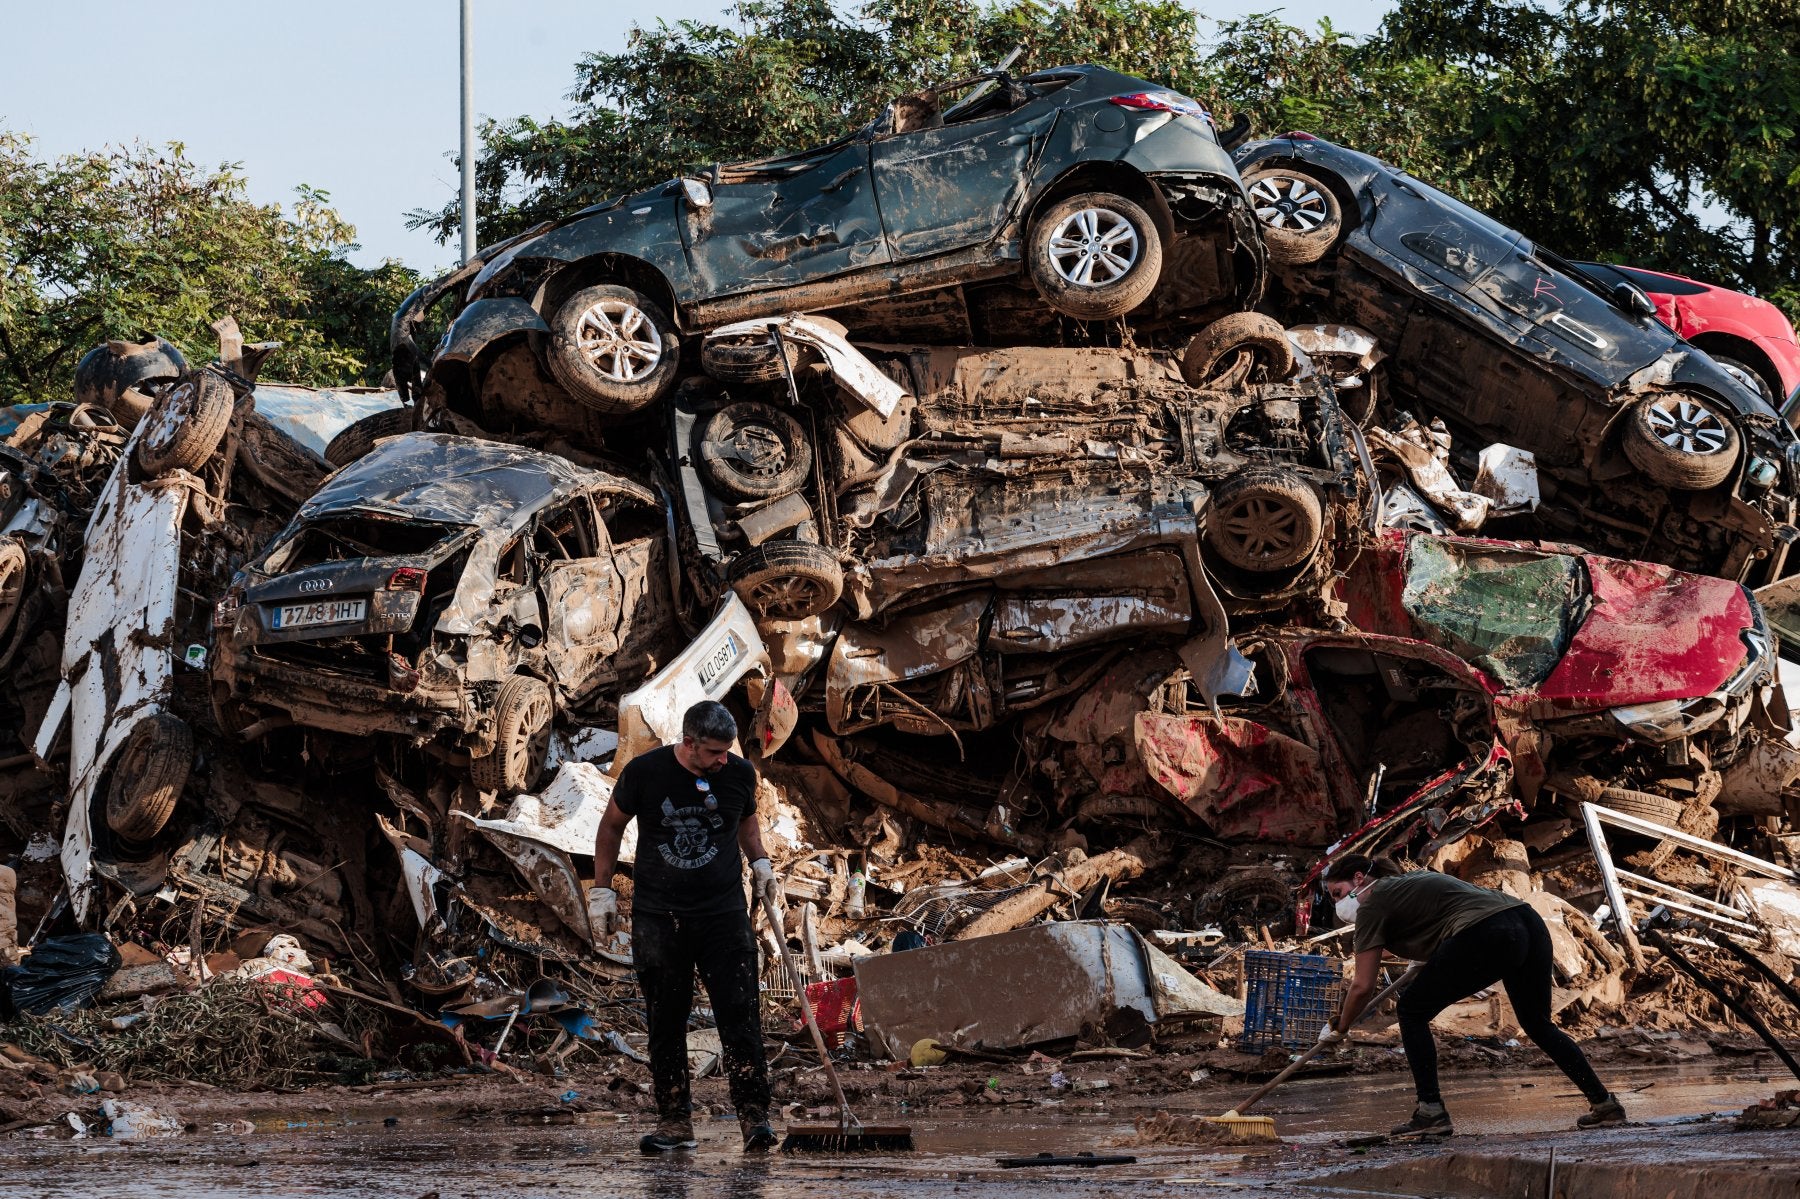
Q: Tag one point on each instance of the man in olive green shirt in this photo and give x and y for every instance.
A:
(1468, 938)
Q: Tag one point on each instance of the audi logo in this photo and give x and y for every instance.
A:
(315, 584)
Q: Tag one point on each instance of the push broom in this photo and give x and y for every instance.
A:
(848, 1135)
(1239, 1127)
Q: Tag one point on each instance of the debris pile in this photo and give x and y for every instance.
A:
(1089, 558)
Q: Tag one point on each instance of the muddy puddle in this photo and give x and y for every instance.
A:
(356, 1153)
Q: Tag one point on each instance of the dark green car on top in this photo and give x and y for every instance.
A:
(1092, 186)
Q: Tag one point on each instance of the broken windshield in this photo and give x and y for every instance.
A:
(1512, 613)
(341, 538)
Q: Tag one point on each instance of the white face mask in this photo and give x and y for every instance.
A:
(1346, 907)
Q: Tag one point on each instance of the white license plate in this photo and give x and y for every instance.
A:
(717, 661)
(300, 616)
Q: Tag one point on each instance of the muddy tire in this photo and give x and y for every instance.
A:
(613, 349)
(359, 437)
(1264, 521)
(1752, 378)
(1643, 804)
(15, 568)
(787, 580)
(1298, 213)
(1679, 442)
(1094, 256)
(754, 452)
(1231, 350)
(523, 714)
(148, 777)
(1698, 819)
(1133, 811)
(184, 428)
(748, 358)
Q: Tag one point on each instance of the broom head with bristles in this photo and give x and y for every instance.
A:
(858, 1138)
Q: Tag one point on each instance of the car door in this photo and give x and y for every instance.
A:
(955, 185)
(787, 221)
(582, 592)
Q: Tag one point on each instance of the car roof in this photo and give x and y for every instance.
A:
(444, 479)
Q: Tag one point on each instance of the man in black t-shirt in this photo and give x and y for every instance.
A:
(695, 804)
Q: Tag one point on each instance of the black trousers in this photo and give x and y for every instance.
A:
(1511, 947)
(666, 951)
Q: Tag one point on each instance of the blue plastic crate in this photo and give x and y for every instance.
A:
(1288, 997)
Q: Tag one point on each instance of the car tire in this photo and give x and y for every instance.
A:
(1698, 819)
(1229, 351)
(184, 428)
(1680, 442)
(1264, 521)
(787, 580)
(523, 714)
(148, 777)
(1645, 805)
(1298, 212)
(628, 330)
(754, 452)
(1751, 375)
(15, 568)
(1061, 256)
(359, 437)
(748, 358)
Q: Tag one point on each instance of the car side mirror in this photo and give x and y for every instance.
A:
(1633, 300)
(698, 194)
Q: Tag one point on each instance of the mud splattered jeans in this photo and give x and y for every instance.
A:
(667, 950)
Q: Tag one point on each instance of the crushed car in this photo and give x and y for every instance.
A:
(1647, 447)
(1094, 186)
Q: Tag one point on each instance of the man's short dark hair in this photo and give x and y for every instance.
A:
(709, 720)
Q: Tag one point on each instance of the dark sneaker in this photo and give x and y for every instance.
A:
(758, 1136)
(1428, 1120)
(1605, 1114)
(669, 1136)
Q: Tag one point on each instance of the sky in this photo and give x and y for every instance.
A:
(355, 97)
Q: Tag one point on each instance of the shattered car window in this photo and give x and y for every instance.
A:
(1510, 613)
(338, 538)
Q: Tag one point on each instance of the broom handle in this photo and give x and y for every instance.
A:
(845, 1119)
(1263, 1091)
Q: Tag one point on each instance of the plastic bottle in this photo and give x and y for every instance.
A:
(855, 904)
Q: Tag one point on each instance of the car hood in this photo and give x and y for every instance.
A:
(1651, 633)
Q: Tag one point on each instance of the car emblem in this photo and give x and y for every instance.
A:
(315, 584)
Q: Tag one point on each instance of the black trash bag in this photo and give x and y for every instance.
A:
(62, 973)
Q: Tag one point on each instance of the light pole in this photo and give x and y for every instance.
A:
(468, 133)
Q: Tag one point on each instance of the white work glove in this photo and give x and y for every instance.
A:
(603, 913)
(1329, 1035)
(763, 883)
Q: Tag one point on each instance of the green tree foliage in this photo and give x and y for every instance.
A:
(130, 242)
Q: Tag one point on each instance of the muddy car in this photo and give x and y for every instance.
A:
(450, 589)
(1017, 514)
(1647, 446)
(1092, 185)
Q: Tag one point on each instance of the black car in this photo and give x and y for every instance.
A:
(1646, 447)
(1093, 185)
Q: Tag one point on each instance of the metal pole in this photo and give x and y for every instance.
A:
(468, 133)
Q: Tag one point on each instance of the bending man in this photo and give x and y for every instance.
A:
(695, 804)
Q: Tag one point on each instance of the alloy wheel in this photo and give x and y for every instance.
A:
(623, 344)
(1289, 203)
(1094, 247)
(1681, 424)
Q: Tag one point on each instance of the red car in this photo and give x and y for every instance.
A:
(1738, 331)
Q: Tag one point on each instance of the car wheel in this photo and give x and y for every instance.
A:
(359, 437)
(148, 777)
(1645, 805)
(787, 580)
(1094, 256)
(14, 567)
(1233, 349)
(754, 452)
(523, 714)
(1297, 211)
(1750, 377)
(184, 427)
(748, 358)
(612, 349)
(1680, 442)
(1264, 520)
(1697, 818)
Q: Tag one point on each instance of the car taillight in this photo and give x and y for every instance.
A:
(1298, 136)
(226, 610)
(1163, 102)
(407, 578)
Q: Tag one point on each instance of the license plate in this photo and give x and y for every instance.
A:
(721, 658)
(300, 616)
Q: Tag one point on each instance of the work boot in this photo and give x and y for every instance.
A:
(758, 1136)
(1428, 1120)
(669, 1136)
(1605, 1114)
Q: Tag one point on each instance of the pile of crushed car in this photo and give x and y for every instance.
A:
(1097, 522)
